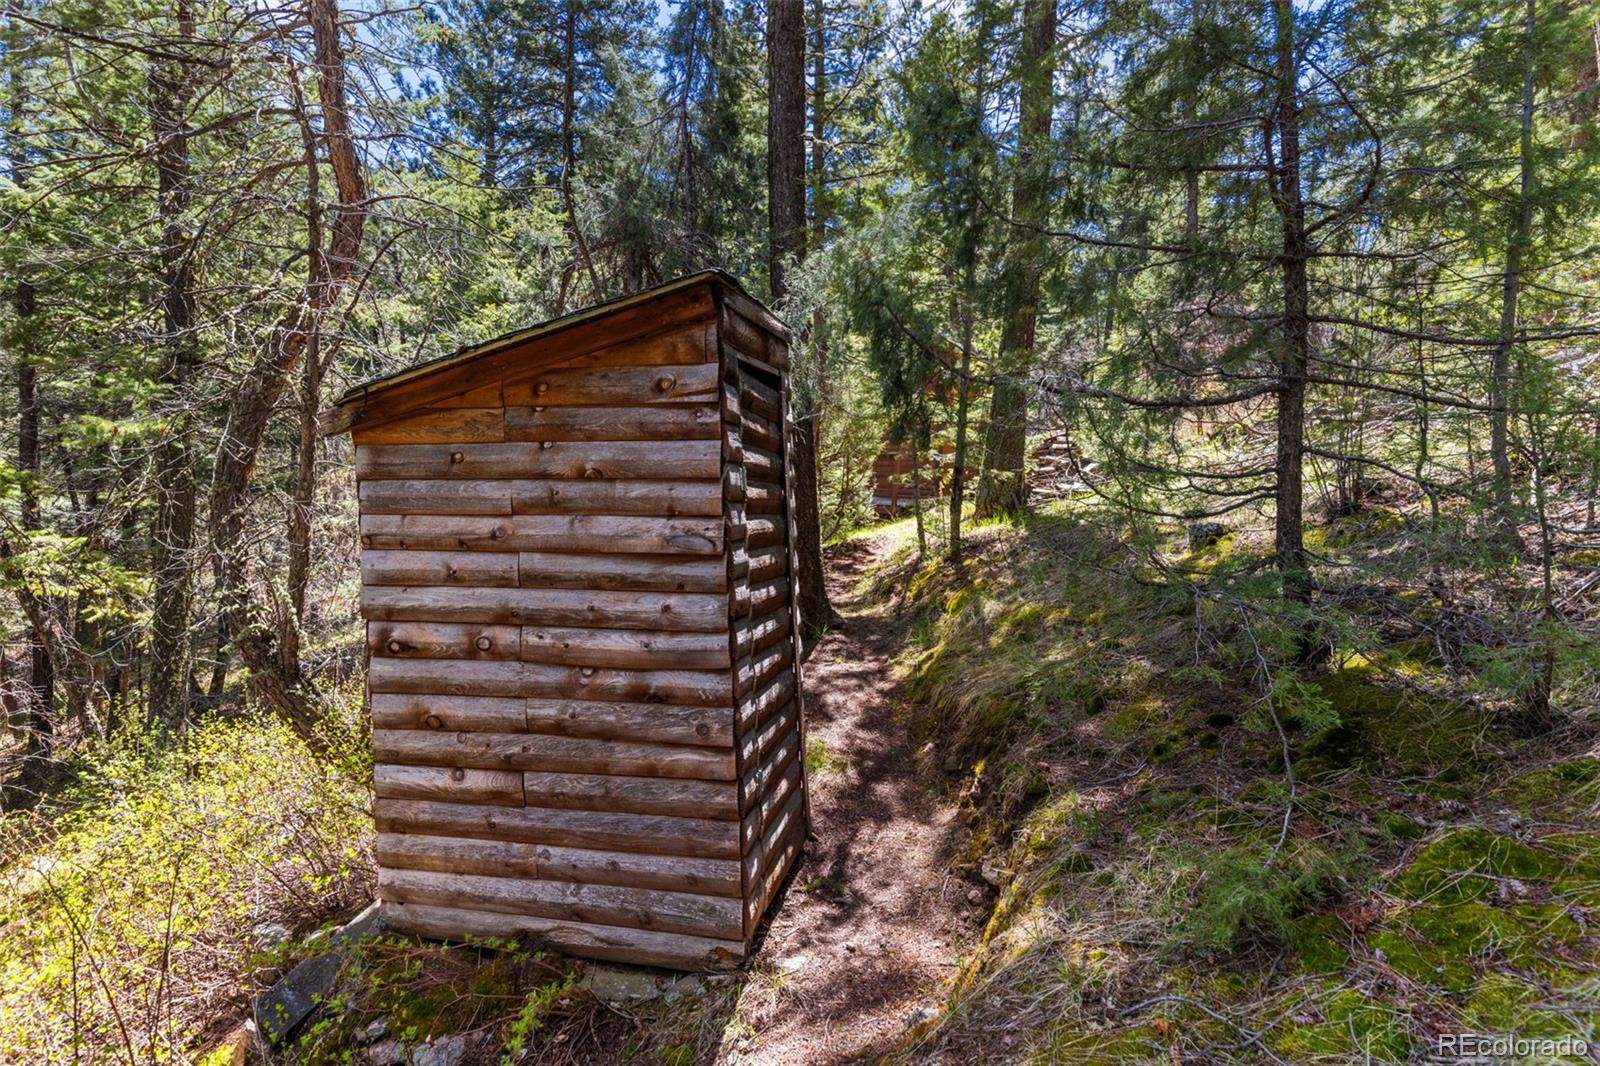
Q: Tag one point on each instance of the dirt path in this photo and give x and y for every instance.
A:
(870, 928)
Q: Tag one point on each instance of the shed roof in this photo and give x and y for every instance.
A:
(365, 390)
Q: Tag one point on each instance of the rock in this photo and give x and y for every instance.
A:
(269, 935)
(360, 927)
(388, 1053)
(975, 896)
(991, 871)
(281, 1008)
(688, 985)
(445, 1051)
(1205, 534)
(920, 1017)
(234, 1048)
(376, 1030)
(792, 963)
(952, 764)
(619, 984)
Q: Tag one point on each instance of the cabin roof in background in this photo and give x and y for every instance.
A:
(593, 312)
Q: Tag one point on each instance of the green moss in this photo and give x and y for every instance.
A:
(1466, 930)
(1421, 962)
(1564, 786)
(1350, 1027)
(1321, 941)
(1399, 730)
(1506, 1003)
(1461, 864)
(1399, 827)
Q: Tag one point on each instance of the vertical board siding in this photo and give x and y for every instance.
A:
(577, 578)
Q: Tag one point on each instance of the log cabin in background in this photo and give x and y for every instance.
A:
(578, 579)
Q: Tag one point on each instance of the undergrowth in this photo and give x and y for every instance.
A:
(1203, 849)
(140, 911)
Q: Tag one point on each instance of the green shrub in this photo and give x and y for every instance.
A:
(1241, 898)
(139, 919)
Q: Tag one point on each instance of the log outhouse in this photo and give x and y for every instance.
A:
(578, 584)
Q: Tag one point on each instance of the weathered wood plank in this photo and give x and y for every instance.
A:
(763, 399)
(503, 751)
(642, 573)
(626, 648)
(637, 908)
(759, 432)
(659, 423)
(473, 714)
(518, 354)
(686, 344)
(753, 782)
(385, 567)
(757, 671)
(640, 795)
(762, 725)
(673, 951)
(754, 635)
(708, 877)
(671, 611)
(763, 497)
(462, 677)
(552, 533)
(435, 497)
(763, 532)
(678, 459)
(451, 783)
(615, 386)
(740, 304)
(617, 721)
(666, 499)
(450, 426)
(768, 563)
(442, 640)
(654, 834)
(768, 595)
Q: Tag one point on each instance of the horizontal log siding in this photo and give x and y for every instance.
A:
(579, 606)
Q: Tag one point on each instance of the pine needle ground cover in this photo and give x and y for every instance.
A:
(1337, 862)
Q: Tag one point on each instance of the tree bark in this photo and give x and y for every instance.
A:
(1002, 486)
(1517, 235)
(786, 241)
(958, 476)
(172, 532)
(569, 143)
(304, 498)
(1295, 340)
(271, 653)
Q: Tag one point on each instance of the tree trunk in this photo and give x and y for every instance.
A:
(172, 532)
(1002, 486)
(1295, 342)
(569, 153)
(958, 477)
(1516, 242)
(271, 657)
(304, 498)
(786, 240)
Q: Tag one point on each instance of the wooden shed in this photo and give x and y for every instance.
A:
(578, 580)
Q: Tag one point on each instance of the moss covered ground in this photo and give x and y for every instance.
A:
(1180, 880)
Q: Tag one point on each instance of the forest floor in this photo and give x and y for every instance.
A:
(873, 923)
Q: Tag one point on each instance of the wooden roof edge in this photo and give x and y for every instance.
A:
(335, 419)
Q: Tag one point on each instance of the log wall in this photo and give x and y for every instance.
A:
(578, 580)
